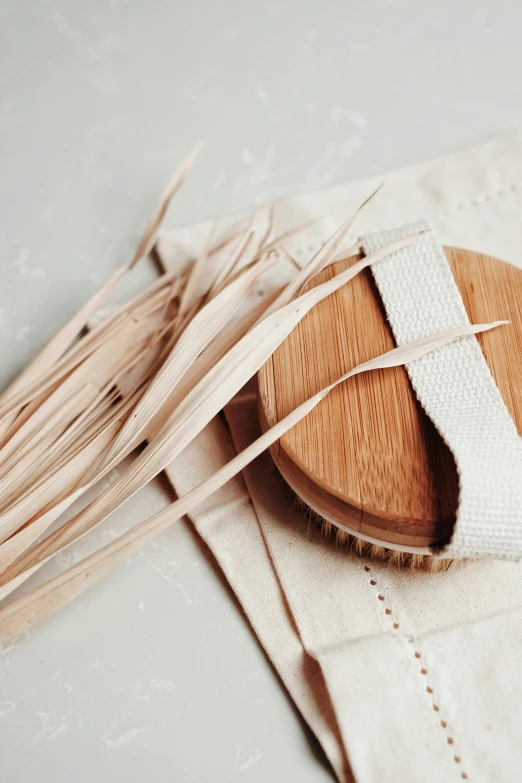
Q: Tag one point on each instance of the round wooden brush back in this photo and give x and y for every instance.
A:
(367, 457)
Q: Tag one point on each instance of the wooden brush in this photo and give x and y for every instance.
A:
(367, 460)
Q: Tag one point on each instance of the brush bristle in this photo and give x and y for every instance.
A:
(364, 549)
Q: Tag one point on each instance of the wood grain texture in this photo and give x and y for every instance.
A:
(368, 455)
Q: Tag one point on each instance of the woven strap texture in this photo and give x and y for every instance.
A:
(457, 391)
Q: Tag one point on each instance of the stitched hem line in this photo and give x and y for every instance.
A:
(422, 670)
(485, 198)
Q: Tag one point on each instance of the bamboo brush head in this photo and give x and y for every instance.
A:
(367, 460)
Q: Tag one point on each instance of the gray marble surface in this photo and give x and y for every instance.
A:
(155, 675)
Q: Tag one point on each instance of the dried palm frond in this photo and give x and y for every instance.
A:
(154, 371)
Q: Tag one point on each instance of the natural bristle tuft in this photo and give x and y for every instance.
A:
(366, 550)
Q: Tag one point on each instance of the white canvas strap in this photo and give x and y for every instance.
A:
(458, 393)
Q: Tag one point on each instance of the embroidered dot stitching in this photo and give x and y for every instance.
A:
(423, 671)
(484, 198)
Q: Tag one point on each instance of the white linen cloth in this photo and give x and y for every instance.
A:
(401, 675)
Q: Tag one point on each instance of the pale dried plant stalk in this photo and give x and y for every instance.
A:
(150, 234)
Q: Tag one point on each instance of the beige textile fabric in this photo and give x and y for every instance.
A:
(401, 675)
